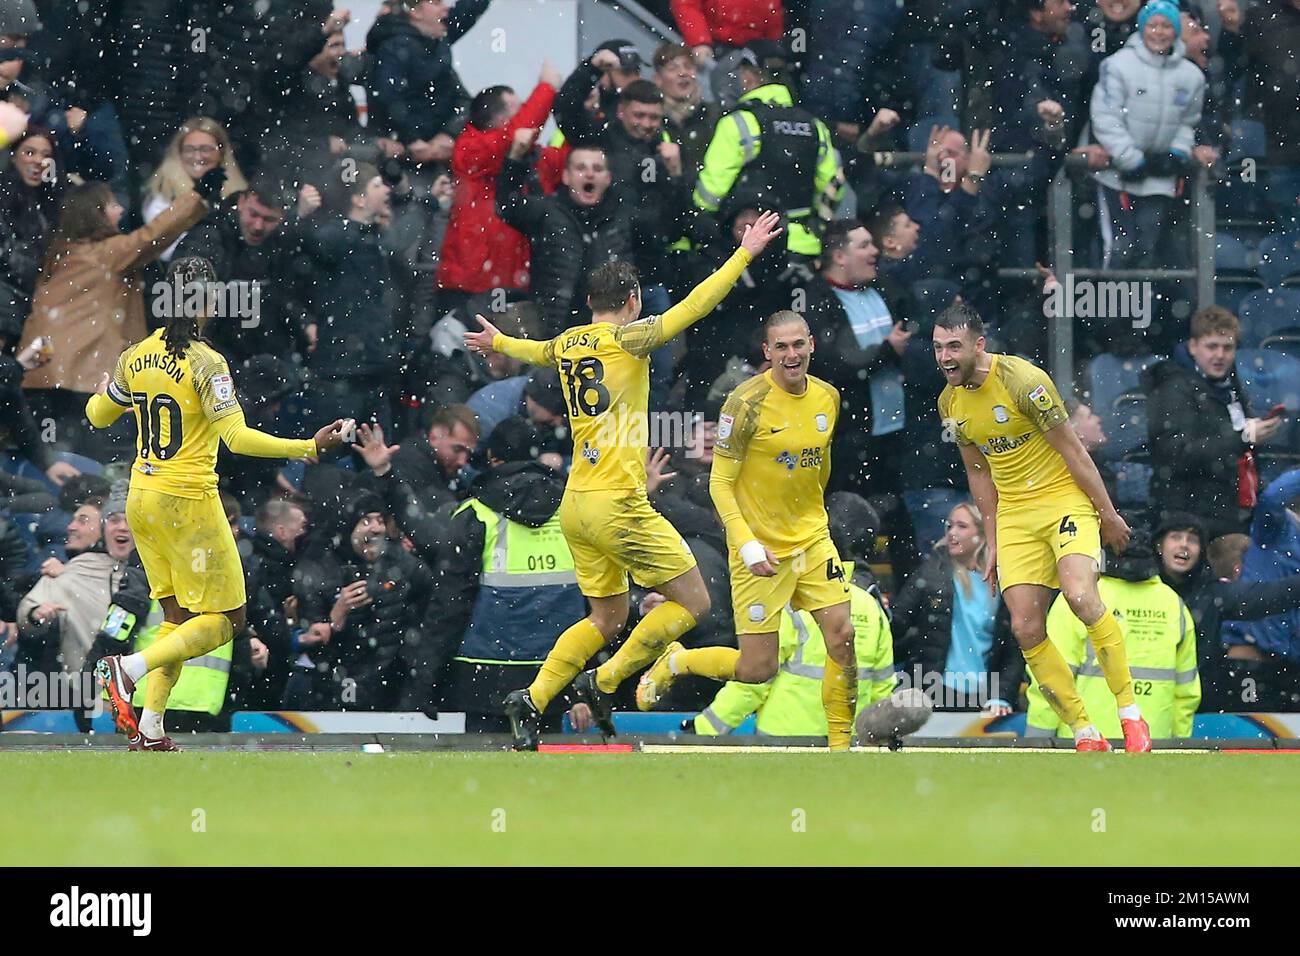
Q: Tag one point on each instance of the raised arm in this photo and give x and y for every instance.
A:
(644, 336)
(490, 339)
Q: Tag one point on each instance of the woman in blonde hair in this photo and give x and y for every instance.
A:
(952, 628)
(199, 145)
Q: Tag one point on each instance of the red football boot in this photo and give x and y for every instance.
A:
(141, 742)
(1137, 736)
(120, 687)
(1094, 744)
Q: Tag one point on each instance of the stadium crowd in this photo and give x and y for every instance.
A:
(347, 252)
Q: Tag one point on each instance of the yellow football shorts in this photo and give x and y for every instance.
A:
(187, 550)
(612, 534)
(807, 580)
(1032, 538)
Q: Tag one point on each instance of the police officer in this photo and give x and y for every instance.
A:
(769, 144)
(505, 581)
(1159, 638)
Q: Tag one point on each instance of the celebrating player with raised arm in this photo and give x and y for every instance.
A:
(184, 400)
(1046, 514)
(608, 521)
(771, 463)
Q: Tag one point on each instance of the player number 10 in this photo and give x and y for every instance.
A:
(151, 425)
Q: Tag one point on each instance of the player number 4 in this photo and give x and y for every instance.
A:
(1067, 527)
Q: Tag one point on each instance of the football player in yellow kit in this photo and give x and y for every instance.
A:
(610, 525)
(1046, 514)
(771, 462)
(184, 401)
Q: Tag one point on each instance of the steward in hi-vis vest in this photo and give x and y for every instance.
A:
(505, 581)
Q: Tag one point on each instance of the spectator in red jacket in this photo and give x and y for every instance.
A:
(481, 252)
(717, 30)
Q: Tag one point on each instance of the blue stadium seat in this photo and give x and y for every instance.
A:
(1248, 139)
(1126, 430)
(1272, 378)
(1109, 378)
(1231, 290)
(1234, 254)
(918, 134)
(1279, 260)
(1269, 316)
(932, 297)
(1132, 485)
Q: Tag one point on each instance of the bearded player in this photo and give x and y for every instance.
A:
(610, 525)
(1046, 514)
(771, 462)
(184, 401)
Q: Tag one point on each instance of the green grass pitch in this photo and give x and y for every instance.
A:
(222, 808)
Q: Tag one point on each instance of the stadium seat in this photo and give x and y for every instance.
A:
(1109, 378)
(1279, 260)
(1272, 378)
(932, 297)
(1269, 316)
(1132, 485)
(1126, 431)
(918, 134)
(1233, 254)
(1229, 291)
(1248, 140)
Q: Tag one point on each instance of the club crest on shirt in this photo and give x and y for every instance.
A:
(1040, 397)
(1000, 414)
(757, 612)
(822, 423)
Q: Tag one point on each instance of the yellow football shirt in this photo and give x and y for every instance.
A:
(178, 404)
(1006, 418)
(605, 374)
(771, 462)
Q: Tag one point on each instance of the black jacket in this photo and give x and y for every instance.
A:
(1272, 36)
(281, 270)
(569, 240)
(17, 424)
(1194, 448)
(414, 91)
(27, 218)
(353, 302)
(922, 626)
(525, 492)
(381, 643)
(268, 580)
(1213, 601)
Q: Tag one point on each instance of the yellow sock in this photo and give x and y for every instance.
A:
(1057, 684)
(1108, 644)
(657, 630)
(839, 700)
(200, 635)
(716, 662)
(569, 655)
(159, 684)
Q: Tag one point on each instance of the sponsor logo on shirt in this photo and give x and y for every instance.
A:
(724, 425)
(1040, 397)
(223, 387)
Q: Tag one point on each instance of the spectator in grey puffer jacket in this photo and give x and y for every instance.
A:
(1144, 112)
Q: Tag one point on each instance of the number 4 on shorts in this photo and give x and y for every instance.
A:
(1067, 527)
